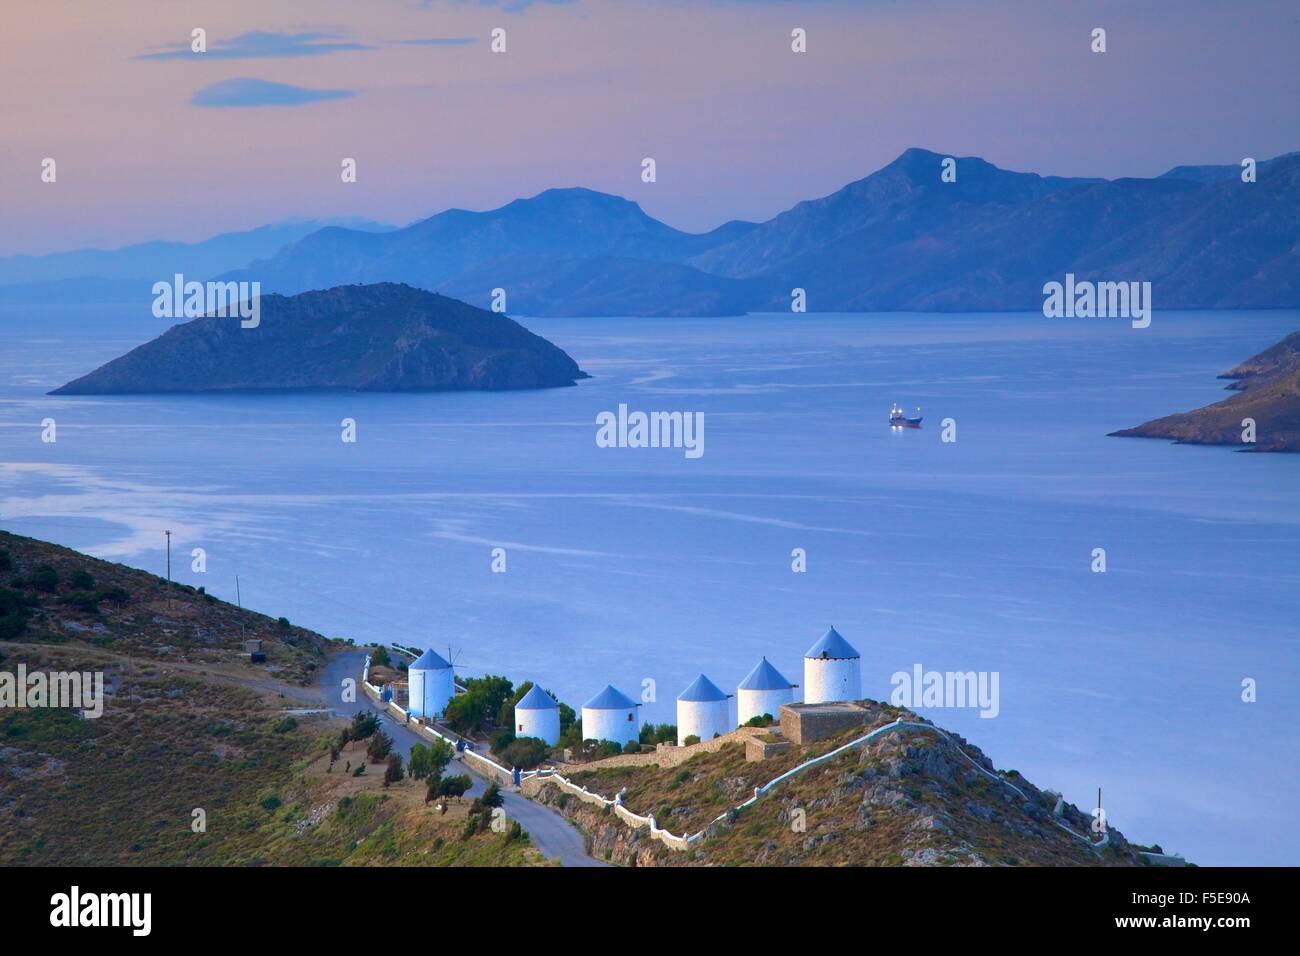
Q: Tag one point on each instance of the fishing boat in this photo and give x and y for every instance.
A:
(898, 418)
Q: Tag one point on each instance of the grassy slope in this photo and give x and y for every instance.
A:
(177, 624)
(188, 724)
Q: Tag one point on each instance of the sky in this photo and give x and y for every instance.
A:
(152, 141)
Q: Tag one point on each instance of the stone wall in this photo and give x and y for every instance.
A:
(756, 748)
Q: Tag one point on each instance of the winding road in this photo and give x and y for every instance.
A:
(551, 833)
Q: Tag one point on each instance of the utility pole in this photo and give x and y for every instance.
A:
(169, 568)
(239, 603)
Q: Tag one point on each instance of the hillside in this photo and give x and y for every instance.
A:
(188, 723)
(906, 797)
(56, 596)
(1269, 392)
(383, 337)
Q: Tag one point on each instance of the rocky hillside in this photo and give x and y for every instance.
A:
(905, 798)
(384, 337)
(1269, 387)
(52, 595)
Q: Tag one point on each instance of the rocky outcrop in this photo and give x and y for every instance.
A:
(1269, 387)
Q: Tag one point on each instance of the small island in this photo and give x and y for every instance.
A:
(1269, 387)
(385, 337)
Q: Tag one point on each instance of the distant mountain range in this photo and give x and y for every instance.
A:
(900, 239)
(1270, 387)
(118, 275)
(383, 337)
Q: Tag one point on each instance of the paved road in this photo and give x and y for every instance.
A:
(550, 832)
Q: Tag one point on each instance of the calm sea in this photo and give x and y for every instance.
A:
(634, 565)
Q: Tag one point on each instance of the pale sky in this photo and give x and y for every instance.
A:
(150, 145)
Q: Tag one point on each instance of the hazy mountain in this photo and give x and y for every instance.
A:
(160, 260)
(368, 338)
(558, 222)
(892, 206)
(1213, 174)
(544, 284)
(898, 241)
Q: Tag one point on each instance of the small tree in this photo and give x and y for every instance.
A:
(393, 772)
(490, 799)
(363, 725)
(456, 786)
(381, 745)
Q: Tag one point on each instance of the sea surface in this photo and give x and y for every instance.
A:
(636, 565)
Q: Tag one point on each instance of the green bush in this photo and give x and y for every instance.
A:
(82, 601)
(287, 725)
(393, 772)
(44, 578)
(6, 560)
(81, 580)
(270, 804)
(379, 657)
(690, 739)
(13, 613)
(429, 762)
(363, 725)
(658, 733)
(456, 786)
(761, 720)
(524, 753)
(491, 797)
(381, 745)
(473, 711)
(114, 595)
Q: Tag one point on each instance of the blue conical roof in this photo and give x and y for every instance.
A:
(765, 677)
(536, 699)
(611, 698)
(702, 689)
(832, 646)
(430, 660)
